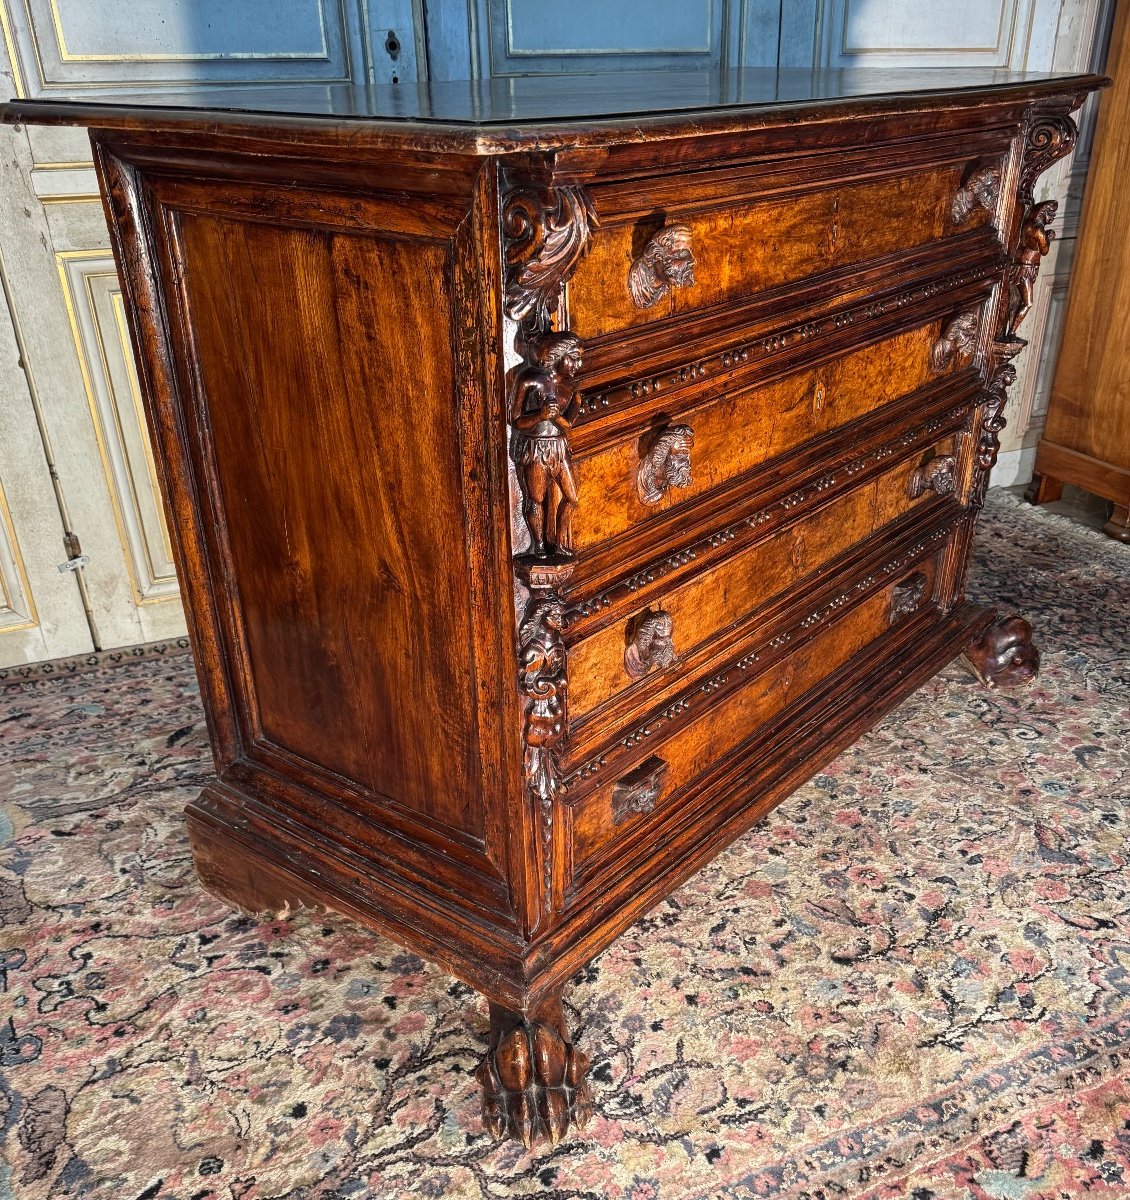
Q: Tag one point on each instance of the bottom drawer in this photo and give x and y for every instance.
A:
(643, 786)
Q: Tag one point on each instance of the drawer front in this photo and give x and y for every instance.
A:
(721, 255)
(641, 794)
(650, 648)
(680, 458)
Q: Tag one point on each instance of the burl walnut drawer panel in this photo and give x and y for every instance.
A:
(752, 245)
(629, 480)
(648, 648)
(642, 793)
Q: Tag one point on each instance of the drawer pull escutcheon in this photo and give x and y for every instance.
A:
(957, 343)
(907, 596)
(665, 464)
(638, 791)
(939, 475)
(666, 262)
(651, 646)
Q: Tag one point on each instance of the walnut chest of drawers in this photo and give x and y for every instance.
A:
(561, 472)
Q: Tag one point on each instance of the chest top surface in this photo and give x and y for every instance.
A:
(493, 116)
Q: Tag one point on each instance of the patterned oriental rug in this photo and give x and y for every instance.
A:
(913, 980)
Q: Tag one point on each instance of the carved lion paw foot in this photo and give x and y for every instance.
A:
(533, 1085)
(1004, 655)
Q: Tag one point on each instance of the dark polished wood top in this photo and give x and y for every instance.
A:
(494, 115)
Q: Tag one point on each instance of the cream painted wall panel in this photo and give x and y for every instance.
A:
(41, 611)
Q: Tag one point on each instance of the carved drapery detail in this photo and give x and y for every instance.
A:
(544, 686)
(547, 232)
(957, 342)
(667, 262)
(1001, 377)
(639, 790)
(938, 475)
(651, 645)
(981, 190)
(1048, 138)
(665, 464)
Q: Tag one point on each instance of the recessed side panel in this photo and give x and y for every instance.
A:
(328, 381)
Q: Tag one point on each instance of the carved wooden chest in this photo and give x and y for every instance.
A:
(555, 487)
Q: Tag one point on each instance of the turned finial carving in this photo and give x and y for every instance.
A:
(542, 401)
(547, 232)
(957, 342)
(938, 475)
(981, 190)
(1035, 242)
(665, 464)
(667, 262)
(651, 646)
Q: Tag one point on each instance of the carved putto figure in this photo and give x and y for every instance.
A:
(1035, 241)
(541, 407)
(980, 190)
(957, 341)
(666, 262)
(652, 647)
(666, 464)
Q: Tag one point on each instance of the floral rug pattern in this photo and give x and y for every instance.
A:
(912, 980)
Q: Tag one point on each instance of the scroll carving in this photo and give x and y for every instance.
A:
(639, 790)
(1004, 655)
(534, 1081)
(1048, 138)
(957, 342)
(547, 232)
(1035, 242)
(667, 262)
(652, 646)
(543, 683)
(542, 403)
(981, 190)
(665, 464)
(939, 476)
(907, 596)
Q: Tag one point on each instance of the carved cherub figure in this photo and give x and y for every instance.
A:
(1035, 241)
(980, 190)
(666, 262)
(541, 408)
(667, 464)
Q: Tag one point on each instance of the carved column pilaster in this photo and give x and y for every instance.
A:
(547, 230)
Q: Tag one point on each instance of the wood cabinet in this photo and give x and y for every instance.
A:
(1086, 440)
(557, 487)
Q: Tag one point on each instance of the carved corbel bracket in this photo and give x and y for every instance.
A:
(1048, 137)
(547, 231)
(957, 343)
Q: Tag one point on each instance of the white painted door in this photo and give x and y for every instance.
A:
(75, 453)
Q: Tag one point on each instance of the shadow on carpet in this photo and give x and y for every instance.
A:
(910, 981)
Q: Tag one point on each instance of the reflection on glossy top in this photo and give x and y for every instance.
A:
(557, 98)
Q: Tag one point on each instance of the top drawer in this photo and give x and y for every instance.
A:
(699, 248)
